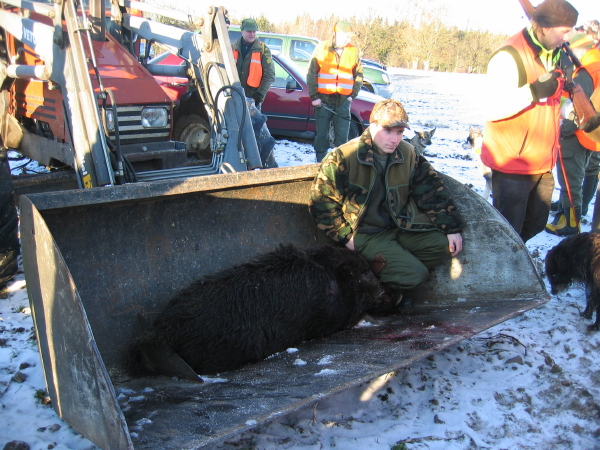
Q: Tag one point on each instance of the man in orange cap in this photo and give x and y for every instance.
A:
(334, 78)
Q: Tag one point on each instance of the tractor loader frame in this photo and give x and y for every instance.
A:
(57, 48)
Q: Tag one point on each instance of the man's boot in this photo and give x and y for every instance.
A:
(566, 223)
(320, 156)
(590, 184)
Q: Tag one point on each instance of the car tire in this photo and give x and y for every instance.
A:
(368, 87)
(195, 132)
(353, 132)
(9, 223)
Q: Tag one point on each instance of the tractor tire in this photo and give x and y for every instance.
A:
(195, 132)
(9, 223)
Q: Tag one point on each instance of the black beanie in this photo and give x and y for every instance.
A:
(555, 13)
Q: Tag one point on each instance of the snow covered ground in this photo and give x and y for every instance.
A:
(532, 382)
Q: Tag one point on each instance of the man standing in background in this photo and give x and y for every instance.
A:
(334, 78)
(578, 165)
(254, 63)
(521, 136)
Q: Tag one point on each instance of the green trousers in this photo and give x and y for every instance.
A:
(341, 126)
(408, 255)
(578, 163)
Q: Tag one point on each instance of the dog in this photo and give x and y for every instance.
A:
(247, 312)
(577, 259)
(420, 140)
(474, 142)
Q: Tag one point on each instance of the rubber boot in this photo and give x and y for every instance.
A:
(566, 223)
(590, 184)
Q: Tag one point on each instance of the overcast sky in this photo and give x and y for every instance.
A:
(499, 16)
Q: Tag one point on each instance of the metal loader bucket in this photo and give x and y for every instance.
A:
(96, 258)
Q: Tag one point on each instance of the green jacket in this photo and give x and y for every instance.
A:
(313, 70)
(416, 196)
(243, 67)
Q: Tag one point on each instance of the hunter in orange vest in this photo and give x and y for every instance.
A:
(334, 79)
(579, 161)
(254, 62)
(521, 136)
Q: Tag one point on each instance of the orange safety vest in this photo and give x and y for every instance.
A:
(336, 75)
(527, 142)
(256, 72)
(591, 63)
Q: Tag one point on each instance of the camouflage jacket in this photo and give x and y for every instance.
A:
(416, 196)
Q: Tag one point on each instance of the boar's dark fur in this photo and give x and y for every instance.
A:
(247, 312)
(577, 259)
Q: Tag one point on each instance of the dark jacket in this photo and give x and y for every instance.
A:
(416, 196)
(243, 67)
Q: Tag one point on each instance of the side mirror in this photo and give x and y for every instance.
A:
(291, 84)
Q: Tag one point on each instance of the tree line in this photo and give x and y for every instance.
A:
(419, 41)
(429, 44)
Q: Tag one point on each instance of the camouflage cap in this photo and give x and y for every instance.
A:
(345, 27)
(249, 25)
(389, 114)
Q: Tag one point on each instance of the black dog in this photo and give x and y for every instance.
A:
(577, 259)
(247, 312)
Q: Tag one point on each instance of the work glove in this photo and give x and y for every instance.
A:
(592, 124)
(547, 85)
(257, 99)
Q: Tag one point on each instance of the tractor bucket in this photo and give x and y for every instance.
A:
(97, 259)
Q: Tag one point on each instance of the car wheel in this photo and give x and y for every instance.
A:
(195, 132)
(369, 88)
(331, 135)
(353, 132)
(9, 223)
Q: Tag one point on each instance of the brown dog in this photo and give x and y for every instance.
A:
(577, 259)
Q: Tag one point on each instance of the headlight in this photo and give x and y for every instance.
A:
(155, 117)
(385, 77)
(110, 123)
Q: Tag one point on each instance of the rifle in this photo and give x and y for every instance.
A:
(584, 110)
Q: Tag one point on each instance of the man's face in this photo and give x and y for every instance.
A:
(553, 38)
(341, 39)
(249, 36)
(386, 139)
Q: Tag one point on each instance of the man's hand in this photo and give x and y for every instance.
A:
(547, 85)
(316, 103)
(350, 243)
(455, 243)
